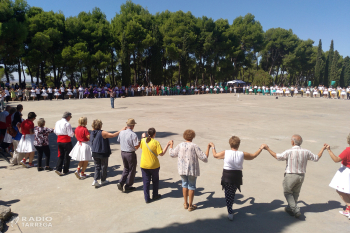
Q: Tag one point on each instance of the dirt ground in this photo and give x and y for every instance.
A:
(46, 202)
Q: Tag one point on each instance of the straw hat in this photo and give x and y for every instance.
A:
(131, 121)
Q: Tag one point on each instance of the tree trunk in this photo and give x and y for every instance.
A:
(42, 76)
(179, 77)
(24, 76)
(7, 74)
(19, 72)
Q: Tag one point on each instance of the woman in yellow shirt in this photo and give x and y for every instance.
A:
(150, 164)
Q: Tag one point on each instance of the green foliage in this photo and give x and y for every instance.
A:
(262, 78)
(169, 48)
(346, 71)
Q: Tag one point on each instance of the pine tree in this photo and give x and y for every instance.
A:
(334, 74)
(329, 65)
(318, 67)
(346, 68)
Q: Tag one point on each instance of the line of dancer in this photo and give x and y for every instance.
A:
(50, 93)
(95, 146)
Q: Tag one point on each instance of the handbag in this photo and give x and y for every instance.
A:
(150, 149)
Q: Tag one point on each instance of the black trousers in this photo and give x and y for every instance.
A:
(50, 96)
(38, 96)
(64, 158)
(41, 150)
(101, 165)
(62, 95)
(129, 172)
(147, 176)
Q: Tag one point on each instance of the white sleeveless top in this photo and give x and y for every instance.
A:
(233, 160)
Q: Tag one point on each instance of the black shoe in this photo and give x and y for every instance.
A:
(120, 186)
(147, 202)
(66, 173)
(48, 169)
(130, 189)
(156, 197)
(40, 169)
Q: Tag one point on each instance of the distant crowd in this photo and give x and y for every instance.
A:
(19, 93)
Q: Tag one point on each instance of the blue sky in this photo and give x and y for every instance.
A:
(314, 19)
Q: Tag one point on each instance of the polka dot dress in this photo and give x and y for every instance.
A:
(230, 192)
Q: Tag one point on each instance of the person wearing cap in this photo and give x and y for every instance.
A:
(64, 132)
(129, 143)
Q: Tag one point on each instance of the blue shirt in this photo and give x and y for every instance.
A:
(18, 135)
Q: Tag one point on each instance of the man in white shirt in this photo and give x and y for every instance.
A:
(64, 133)
(81, 92)
(62, 91)
(49, 92)
(296, 159)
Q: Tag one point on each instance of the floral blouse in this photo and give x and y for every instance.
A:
(188, 154)
(41, 136)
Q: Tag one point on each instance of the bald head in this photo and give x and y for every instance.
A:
(297, 139)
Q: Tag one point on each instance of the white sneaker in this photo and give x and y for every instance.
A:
(344, 213)
(96, 184)
(23, 164)
(59, 173)
(77, 174)
(104, 182)
(230, 217)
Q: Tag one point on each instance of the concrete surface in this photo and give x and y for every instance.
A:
(66, 204)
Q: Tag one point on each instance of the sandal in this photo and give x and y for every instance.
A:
(191, 208)
(185, 206)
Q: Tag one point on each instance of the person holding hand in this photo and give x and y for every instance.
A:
(101, 150)
(188, 154)
(232, 174)
(296, 159)
(341, 179)
(150, 166)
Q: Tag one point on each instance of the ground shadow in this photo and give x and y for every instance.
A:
(320, 207)
(8, 203)
(158, 134)
(256, 217)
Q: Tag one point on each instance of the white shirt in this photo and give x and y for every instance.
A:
(81, 89)
(37, 91)
(233, 160)
(296, 159)
(62, 127)
(62, 89)
(49, 90)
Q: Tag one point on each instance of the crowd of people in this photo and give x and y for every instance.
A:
(24, 139)
(94, 91)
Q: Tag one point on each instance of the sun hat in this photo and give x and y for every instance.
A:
(131, 121)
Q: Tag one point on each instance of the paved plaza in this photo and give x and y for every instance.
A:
(72, 205)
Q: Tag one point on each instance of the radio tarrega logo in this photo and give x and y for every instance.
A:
(32, 221)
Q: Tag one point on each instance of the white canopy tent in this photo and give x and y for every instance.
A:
(237, 81)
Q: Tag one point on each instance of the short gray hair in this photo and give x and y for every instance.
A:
(348, 138)
(66, 114)
(297, 139)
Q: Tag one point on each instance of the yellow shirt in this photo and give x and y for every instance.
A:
(148, 160)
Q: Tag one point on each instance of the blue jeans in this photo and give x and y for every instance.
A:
(112, 102)
(189, 182)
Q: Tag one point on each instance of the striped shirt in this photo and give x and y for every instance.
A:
(297, 159)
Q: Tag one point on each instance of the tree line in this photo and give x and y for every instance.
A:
(168, 48)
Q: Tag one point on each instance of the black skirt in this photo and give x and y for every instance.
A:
(232, 177)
